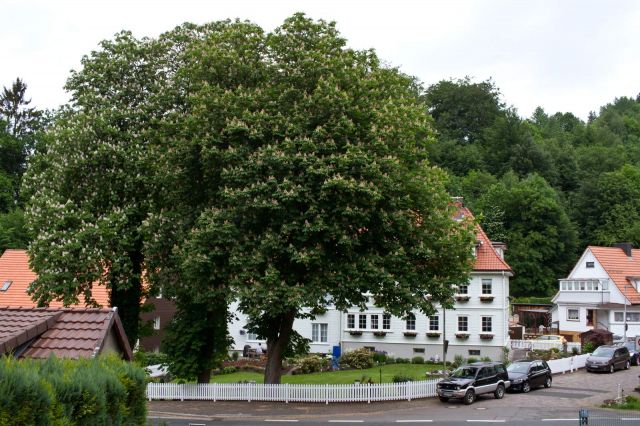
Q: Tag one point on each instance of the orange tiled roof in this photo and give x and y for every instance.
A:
(65, 333)
(487, 258)
(14, 266)
(619, 267)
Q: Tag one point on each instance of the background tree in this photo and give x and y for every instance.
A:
(307, 163)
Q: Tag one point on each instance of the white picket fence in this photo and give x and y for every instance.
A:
(543, 345)
(318, 393)
(292, 393)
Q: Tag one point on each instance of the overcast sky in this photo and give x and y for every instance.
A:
(564, 55)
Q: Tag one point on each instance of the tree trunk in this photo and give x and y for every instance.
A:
(127, 298)
(204, 376)
(276, 346)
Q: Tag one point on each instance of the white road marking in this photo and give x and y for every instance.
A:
(280, 420)
(414, 421)
(559, 420)
(630, 419)
(486, 421)
(346, 421)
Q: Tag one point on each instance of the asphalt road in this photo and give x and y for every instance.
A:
(558, 405)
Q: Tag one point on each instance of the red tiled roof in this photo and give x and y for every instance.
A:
(487, 258)
(14, 266)
(619, 267)
(66, 333)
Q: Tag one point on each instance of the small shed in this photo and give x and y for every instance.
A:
(597, 336)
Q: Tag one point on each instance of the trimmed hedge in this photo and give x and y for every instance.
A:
(99, 391)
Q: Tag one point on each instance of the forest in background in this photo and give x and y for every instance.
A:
(548, 185)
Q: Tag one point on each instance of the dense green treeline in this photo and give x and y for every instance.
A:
(548, 185)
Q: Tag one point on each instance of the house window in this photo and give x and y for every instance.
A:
(486, 286)
(474, 352)
(463, 288)
(362, 322)
(386, 321)
(156, 323)
(631, 316)
(319, 332)
(418, 350)
(351, 321)
(590, 265)
(573, 314)
(434, 323)
(374, 322)
(6, 285)
(252, 336)
(463, 323)
(410, 321)
(486, 325)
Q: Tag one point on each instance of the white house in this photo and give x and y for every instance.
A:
(600, 290)
(477, 326)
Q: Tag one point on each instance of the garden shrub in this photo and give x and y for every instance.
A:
(229, 370)
(574, 351)
(589, 347)
(380, 357)
(359, 358)
(471, 360)
(403, 360)
(401, 378)
(103, 390)
(485, 359)
(310, 364)
(458, 360)
(417, 360)
(390, 360)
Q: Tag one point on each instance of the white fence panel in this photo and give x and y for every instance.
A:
(570, 364)
(292, 393)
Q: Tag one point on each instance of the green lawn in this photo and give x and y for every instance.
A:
(417, 371)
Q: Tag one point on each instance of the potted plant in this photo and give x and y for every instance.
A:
(380, 333)
(462, 297)
(486, 298)
(486, 336)
(462, 335)
(355, 332)
(433, 334)
(410, 333)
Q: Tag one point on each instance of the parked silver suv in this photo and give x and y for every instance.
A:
(469, 381)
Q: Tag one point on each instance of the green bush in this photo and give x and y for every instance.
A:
(588, 347)
(380, 357)
(390, 360)
(417, 360)
(574, 351)
(485, 359)
(310, 364)
(471, 360)
(229, 370)
(359, 358)
(71, 392)
(403, 360)
(400, 378)
(458, 360)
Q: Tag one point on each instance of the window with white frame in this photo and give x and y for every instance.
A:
(362, 322)
(573, 314)
(463, 288)
(631, 316)
(434, 323)
(156, 323)
(319, 332)
(351, 321)
(386, 321)
(252, 336)
(375, 322)
(463, 323)
(486, 286)
(410, 321)
(487, 324)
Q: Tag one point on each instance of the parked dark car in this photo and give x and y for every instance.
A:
(469, 381)
(526, 374)
(609, 358)
(633, 353)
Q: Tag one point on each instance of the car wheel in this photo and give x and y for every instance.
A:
(499, 393)
(627, 365)
(526, 387)
(547, 382)
(612, 369)
(469, 397)
(444, 399)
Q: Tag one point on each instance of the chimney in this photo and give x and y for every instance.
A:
(626, 247)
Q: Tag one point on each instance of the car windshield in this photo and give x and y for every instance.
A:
(518, 367)
(464, 373)
(605, 352)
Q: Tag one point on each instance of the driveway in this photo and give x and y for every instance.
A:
(567, 395)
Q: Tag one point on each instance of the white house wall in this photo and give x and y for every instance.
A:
(395, 342)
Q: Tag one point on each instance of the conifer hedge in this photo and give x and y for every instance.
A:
(99, 391)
